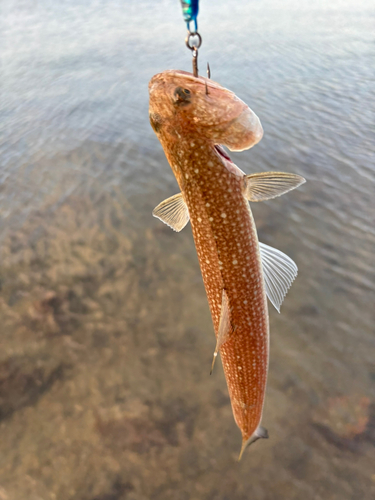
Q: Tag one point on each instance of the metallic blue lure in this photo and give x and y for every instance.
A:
(190, 10)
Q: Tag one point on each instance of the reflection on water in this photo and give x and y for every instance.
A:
(106, 338)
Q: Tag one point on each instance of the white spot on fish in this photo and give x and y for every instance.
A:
(235, 262)
(223, 215)
(199, 219)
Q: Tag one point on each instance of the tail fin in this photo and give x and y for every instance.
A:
(260, 433)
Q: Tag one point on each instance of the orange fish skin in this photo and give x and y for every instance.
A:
(223, 227)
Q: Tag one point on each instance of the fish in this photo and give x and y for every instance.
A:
(193, 118)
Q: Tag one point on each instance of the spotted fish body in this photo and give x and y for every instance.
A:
(227, 246)
(192, 117)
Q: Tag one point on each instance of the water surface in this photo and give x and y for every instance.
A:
(106, 338)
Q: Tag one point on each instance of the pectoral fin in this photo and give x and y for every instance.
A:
(268, 185)
(279, 273)
(173, 211)
(225, 327)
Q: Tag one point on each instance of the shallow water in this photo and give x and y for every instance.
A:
(106, 340)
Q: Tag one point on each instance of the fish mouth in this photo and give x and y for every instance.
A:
(222, 152)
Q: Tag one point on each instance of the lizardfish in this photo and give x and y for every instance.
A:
(192, 118)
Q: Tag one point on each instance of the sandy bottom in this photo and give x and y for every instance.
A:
(105, 394)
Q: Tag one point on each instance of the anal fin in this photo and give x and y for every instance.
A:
(279, 273)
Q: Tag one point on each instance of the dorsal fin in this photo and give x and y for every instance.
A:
(225, 327)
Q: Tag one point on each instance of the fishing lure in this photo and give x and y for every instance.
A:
(190, 9)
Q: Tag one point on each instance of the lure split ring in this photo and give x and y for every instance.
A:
(193, 41)
(189, 40)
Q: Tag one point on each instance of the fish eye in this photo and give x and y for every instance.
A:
(181, 96)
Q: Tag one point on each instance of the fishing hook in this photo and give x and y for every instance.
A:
(208, 76)
(194, 46)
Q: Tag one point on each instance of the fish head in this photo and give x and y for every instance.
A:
(184, 105)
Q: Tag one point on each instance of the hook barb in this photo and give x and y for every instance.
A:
(208, 76)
